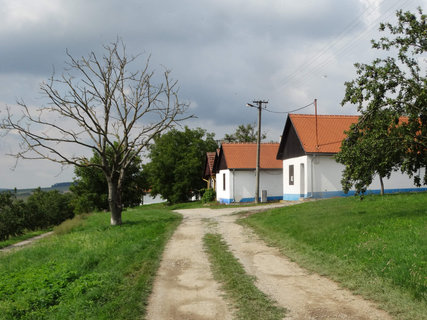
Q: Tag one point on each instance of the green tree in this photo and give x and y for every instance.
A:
(176, 167)
(370, 150)
(90, 186)
(97, 101)
(390, 87)
(244, 133)
(12, 215)
(46, 209)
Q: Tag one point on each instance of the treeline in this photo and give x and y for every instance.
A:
(41, 210)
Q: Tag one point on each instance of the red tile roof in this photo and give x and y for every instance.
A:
(210, 158)
(330, 131)
(243, 155)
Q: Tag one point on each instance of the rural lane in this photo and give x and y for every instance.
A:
(185, 289)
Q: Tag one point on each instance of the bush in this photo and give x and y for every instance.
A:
(42, 210)
(48, 208)
(209, 195)
(12, 216)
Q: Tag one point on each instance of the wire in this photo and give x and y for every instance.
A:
(272, 111)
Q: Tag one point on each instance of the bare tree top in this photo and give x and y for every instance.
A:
(98, 102)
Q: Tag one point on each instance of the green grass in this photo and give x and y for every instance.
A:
(23, 237)
(199, 204)
(376, 247)
(249, 302)
(94, 271)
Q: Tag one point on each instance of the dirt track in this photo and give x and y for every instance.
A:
(185, 289)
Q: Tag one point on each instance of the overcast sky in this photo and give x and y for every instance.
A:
(224, 53)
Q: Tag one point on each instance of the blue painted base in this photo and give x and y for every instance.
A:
(228, 201)
(333, 194)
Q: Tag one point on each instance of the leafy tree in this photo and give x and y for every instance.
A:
(91, 188)
(244, 133)
(98, 101)
(47, 209)
(370, 150)
(12, 213)
(177, 159)
(391, 87)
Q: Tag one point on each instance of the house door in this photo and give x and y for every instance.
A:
(302, 179)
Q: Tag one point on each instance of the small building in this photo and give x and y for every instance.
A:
(307, 149)
(209, 172)
(235, 173)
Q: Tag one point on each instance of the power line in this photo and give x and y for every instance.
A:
(320, 60)
(272, 111)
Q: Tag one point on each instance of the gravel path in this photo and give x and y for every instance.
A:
(25, 242)
(185, 289)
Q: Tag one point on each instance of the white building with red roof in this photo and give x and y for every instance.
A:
(235, 172)
(307, 149)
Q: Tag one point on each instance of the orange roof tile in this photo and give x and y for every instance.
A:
(210, 161)
(243, 155)
(330, 131)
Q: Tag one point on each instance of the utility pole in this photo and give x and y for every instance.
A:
(259, 107)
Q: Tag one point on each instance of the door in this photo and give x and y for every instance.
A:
(302, 180)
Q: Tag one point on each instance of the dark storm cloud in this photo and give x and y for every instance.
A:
(224, 53)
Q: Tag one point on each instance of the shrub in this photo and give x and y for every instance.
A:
(209, 195)
(48, 209)
(12, 215)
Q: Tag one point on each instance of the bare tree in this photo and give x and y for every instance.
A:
(109, 107)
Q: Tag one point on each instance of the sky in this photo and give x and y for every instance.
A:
(223, 53)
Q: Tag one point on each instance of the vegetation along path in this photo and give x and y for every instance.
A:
(185, 288)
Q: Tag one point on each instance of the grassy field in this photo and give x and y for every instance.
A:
(94, 271)
(249, 302)
(376, 247)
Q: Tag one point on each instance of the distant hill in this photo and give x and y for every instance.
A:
(62, 187)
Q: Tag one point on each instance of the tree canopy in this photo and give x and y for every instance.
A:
(391, 95)
(177, 159)
(244, 133)
(99, 103)
(90, 187)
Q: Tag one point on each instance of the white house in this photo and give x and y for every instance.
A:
(309, 170)
(235, 172)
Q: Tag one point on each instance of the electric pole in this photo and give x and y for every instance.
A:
(259, 106)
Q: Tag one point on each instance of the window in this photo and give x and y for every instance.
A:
(223, 181)
(291, 175)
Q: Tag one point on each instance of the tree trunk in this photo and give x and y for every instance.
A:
(115, 203)
(382, 185)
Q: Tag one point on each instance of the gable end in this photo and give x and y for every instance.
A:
(290, 145)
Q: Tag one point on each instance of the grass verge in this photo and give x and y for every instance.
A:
(210, 205)
(376, 247)
(94, 271)
(249, 301)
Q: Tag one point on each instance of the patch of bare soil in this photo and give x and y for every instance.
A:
(185, 288)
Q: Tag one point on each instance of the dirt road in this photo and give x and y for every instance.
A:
(185, 289)
(25, 242)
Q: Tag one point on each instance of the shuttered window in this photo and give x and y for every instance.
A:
(291, 175)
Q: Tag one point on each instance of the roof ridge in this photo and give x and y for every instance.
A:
(271, 142)
(324, 115)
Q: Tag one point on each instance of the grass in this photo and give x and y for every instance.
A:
(199, 204)
(20, 238)
(249, 302)
(376, 247)
(90, 271)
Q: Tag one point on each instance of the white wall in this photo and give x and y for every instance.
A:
(322, 178)
(148, 199)
(240, 185)
(222, 193)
